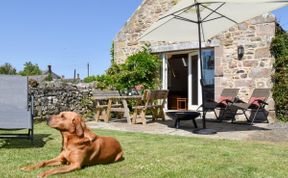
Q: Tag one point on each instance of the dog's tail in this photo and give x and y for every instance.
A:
(119, 156)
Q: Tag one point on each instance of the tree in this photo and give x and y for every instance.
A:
(112, 52)
(30, 69)
(7, 69)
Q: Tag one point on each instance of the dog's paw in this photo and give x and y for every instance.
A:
(26, 168)
(41, 175)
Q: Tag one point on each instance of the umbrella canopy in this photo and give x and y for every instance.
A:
(215, 16)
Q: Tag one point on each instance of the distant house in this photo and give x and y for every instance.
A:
(223, 69)
(45, 74)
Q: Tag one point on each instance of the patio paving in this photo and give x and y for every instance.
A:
(225, 130)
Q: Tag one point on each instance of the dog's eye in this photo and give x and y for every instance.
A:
(62, 116)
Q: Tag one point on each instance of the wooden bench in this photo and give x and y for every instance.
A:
(153, 100)
(103, 102)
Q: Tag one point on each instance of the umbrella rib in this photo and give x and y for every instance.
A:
(183, 18)
(180, 10)
(219, 14)
(213, 11)
(213, 19)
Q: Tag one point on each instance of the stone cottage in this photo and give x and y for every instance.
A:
(223, 69)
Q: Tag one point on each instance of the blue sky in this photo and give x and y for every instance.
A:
(67, 34)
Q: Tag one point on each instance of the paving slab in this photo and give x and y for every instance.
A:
(225, 129)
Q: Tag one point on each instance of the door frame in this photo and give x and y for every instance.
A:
(164, 77)
(190, 82)
(190, 53)
(164, 57)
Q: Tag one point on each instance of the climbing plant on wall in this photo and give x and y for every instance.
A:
(141, 68)
(279, 49)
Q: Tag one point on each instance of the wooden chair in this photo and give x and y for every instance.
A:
(256, 104)
(102, 104)
(153, 100)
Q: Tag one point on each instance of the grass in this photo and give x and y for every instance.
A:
(154, 156)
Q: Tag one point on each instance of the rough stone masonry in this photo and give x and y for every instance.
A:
(53, 97)
(255, 35)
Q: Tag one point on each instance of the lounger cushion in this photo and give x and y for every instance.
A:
(223, 99)
(254, 100)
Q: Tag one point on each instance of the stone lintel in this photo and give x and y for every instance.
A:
(180, 46)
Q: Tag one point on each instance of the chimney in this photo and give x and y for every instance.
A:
(49, 69)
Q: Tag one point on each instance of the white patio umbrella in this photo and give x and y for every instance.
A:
(178, 24)
(199, 20)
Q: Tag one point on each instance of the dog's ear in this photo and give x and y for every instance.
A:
(79, 126)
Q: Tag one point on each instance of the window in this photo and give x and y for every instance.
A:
(208, 66)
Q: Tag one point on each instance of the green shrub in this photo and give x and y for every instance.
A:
(89, 79)
(279, 49)
(104, 82)
(88, 104)
(7, 69)
(30, 69)
(48, 78)
(280, 88)
(279, 46)
(141, 68)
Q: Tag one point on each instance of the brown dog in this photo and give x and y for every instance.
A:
(80, 146)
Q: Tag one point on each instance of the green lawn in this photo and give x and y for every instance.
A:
(154, 156)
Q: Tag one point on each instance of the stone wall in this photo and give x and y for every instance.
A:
(126, 42)
(256, 67)
(53, 97)
(255, 35)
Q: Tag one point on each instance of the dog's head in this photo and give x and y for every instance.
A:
(68, 122)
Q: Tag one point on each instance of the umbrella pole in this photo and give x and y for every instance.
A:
(204, 130)
(201, 62)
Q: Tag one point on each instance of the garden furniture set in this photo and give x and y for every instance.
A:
(16, 106)
(108, 102)
(227, 106)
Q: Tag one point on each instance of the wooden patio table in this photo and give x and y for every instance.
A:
(125, 109)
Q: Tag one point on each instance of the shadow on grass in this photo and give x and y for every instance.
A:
(39, 141)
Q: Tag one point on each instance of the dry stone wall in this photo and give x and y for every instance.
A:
(53, 97)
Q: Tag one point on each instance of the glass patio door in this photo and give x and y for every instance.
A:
(194, 74)
(194, 90)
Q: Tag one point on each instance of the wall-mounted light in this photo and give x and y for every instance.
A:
(240, 52)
